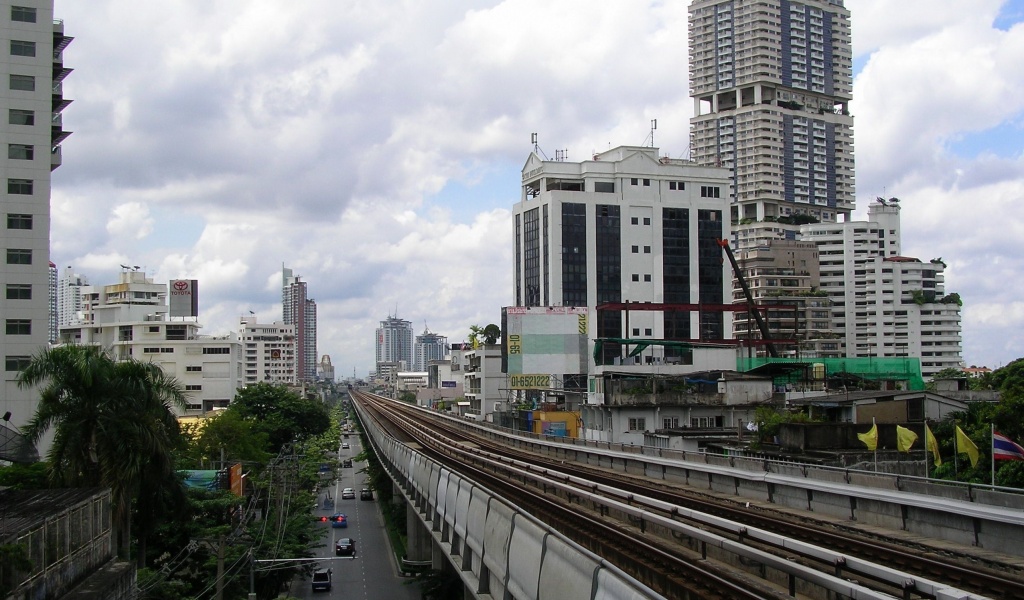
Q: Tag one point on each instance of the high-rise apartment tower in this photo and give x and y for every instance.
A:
(771, 82)
(300, 311)
(394, 343)
(32, 68)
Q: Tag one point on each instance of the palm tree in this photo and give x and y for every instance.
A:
(113, 425)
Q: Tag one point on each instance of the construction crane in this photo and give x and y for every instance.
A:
(751, 308)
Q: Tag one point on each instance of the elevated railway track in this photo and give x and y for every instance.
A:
(686, 543)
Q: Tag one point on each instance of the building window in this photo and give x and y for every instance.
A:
(19, 221)
(17, 116)
(647, 220)
(710, 191)
(194, 369)
(604, 187)
(636, 331)
(24, 83)
(647, 249)
(19, 186)
(19, 327)
(154, 329)
(177, 332)
(647, 277)
(193, 388)
(216, 350)
(636, 277)
(23, 48)
(16, 221)
(19, 256)
(648, 331)
(25, 14)
(647, 182)
(20, 151)
(670, 422)
(636, 249)
(17, 363)
(635, 220)
(639, 424)
(19, 291)
(677, 185)
(634, 181)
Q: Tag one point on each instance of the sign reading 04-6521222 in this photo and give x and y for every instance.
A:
(529, 382)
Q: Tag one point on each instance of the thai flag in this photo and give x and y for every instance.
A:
(1003, 448)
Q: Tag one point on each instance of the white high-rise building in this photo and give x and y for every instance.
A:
(31, 100)
(627, 226)
(69, 297)
(51, 296)
(885, 304)
(131, 319)
(269, 352)
(771, 82)
(428, 347)
(394, 344)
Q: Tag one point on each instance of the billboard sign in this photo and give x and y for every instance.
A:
(184, 300)
(448, 384)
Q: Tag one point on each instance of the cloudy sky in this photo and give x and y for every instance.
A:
(375, 147)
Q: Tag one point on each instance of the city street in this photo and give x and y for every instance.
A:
(372, 574)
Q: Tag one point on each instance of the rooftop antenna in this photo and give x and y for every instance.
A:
(536, 146)
(654, 125)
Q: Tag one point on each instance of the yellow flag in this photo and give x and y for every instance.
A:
(964, 444)
(905, 438)
(932, 445)
(870, 438)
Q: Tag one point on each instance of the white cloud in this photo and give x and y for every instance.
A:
(130, 220)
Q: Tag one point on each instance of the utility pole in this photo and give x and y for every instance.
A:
(220, 568)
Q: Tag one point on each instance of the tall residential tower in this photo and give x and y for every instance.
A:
(771, 82)
(299, 310)
(394, 343)
(31, 100)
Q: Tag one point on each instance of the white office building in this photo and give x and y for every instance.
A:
(31, 99)
(885, 304)
(131, 320)
(269, 352)
(627, 227)
(394, 345)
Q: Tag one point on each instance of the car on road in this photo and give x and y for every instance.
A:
(322, 580)
(339, 520)
(366, 494)
(348, 494)
(345, 464)
(344, 446)
(345, 547)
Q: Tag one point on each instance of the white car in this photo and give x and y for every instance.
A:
(348, 494)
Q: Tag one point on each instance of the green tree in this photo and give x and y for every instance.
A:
(491, 334)
(283, 415)
(227, 434)
(113, 426)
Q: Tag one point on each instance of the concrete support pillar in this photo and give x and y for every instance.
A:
(418, 540)
(757, 94)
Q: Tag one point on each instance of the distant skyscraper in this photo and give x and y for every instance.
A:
(69, 297)
(31, 103)
(429, 346)
(394, 342)
(52, 297)
(771, 82)
(300, 311)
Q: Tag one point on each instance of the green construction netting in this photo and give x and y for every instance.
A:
(844, 369)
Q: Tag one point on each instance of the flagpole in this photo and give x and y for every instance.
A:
(992, 450)
(956, 450)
